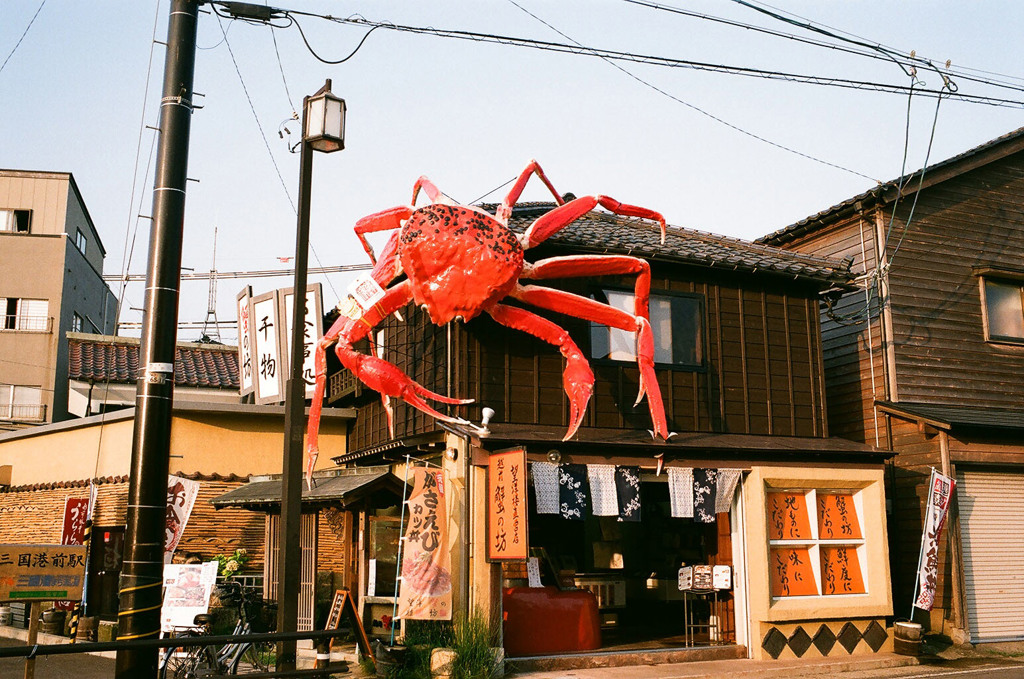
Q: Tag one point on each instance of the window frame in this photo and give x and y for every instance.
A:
(8, 403)
(1008, 281)
(81, 241)
(10, 216)
(815, 542)
(16, 322)
(599, 292)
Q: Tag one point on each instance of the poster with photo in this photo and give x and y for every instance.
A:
(187, 589)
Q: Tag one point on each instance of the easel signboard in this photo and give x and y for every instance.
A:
(342, 605)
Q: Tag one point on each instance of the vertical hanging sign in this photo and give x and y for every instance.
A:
(940, 492)
(506, 506)
(267, 349)
(76, 511)
(311, 333)
(181, 496)
(245, 367)
(426, 583)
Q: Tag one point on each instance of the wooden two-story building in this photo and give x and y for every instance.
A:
(926, 358)
(740, 366)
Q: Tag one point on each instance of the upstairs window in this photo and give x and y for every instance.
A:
(77, 323)
(677, 322)
(1004, 310)
(21, 403)
(80, 241)
(15, 221)
(25, 314)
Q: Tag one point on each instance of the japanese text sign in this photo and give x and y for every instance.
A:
(181, 497)
(506, 506)
(837, 517)
(312, 331)
(266, 349)
(939, 495)
(787, 516)
(426, 580)
(41, 572)
(245, 339)
(76, 512)
(791, 572)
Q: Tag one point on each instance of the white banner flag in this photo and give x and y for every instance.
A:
(181, 495)
(940, 493)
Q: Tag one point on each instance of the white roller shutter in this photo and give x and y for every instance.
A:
(992, 523)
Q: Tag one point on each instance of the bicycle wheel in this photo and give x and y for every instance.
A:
(255, 657)
(188, 663)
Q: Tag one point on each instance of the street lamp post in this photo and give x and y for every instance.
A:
(323, 129)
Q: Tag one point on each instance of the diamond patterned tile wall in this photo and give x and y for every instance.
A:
(799, 641)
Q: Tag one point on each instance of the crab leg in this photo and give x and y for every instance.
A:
(385, 220)
(564, 215)
(505, 209)
(374, 372)
(577, 379)
(597, 312)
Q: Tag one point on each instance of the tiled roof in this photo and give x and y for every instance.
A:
(958, 415)
(882, 191)
(602, 232)
(98, 358)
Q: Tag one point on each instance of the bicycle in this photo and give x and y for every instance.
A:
(241, 657)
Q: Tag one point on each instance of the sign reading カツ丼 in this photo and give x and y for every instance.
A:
(41, 572)
(506, 513)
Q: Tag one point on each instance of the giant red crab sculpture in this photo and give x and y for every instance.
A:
(459, 262)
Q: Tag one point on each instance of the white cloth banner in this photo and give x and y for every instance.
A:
(680, 491)
(727, 480)
(604, 500)
(939, 495)
(545, 486)
(181, 496)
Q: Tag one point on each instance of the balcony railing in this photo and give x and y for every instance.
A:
(23, 413)
(21, 323)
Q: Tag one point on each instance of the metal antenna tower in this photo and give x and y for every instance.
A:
(211, 304)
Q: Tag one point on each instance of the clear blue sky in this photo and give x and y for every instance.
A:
(73, 97)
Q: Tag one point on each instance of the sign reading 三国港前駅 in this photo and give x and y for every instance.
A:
(41, 572)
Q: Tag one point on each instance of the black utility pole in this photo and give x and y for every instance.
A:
(142, 572)
(289, 543)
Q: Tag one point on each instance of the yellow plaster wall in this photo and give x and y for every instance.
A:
(764, 611)
(204, 442)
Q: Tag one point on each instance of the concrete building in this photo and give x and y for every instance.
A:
(51, 266)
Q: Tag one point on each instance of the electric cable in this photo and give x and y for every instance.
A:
(328, 61)
(707, 113)
(23, 34)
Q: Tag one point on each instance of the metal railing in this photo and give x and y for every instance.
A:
(218, 640)
(26, 413)
(23, 323)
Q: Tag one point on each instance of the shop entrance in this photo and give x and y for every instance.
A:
(632, 569)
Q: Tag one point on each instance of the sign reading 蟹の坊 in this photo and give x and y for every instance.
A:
(41, 572)
(506, 514)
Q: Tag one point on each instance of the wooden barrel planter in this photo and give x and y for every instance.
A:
(53, 622)
(87, 628)
(908, 637)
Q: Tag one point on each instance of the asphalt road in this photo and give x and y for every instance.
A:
(75, 666)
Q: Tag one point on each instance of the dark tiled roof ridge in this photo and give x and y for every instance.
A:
(602, 231)
(881, 187)
(101, 358)
(135, 341)
(101, 480)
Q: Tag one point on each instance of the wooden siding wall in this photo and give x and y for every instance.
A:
(763, 367)
(941, 354)
(852, 336)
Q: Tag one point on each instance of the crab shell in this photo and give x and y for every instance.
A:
(459, 260)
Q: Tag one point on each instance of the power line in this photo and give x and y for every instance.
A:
(654, 60)
(260, 273)
(23, 34)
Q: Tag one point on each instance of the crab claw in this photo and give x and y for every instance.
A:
(645, 361)
(390, 382)
(578, 381)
